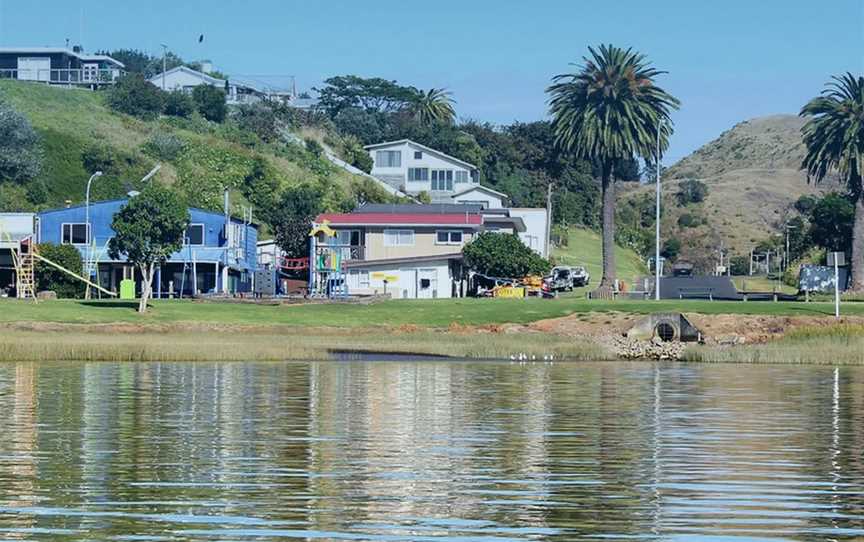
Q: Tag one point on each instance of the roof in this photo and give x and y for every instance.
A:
(482, 189)
(516, 222)
(401, 219)
(209, 79)
(62, 51)
(417, 208)
(423, 147)
(407, 259)
(122, 200)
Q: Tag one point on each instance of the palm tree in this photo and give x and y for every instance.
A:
(834, 136)
(434, 105)
(607, 111)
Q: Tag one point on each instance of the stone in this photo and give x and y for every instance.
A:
(46, 294)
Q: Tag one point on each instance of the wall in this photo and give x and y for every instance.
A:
(424, 243)
(15, 226)
(397, 176)
(406, 284)
(534, 235)
(490, 201)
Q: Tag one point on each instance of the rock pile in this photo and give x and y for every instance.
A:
(655, 349)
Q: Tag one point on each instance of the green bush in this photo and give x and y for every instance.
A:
(314, 147)
(503, 255)
(134, 95)
(691, 191)
(688, 220)
(20, 150)
(164, 146)
(259, 119)
(51, 278)
(179, 104)
(210, 102)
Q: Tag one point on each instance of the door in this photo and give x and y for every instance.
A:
(427, 283)
(34, 68)
(408, 283)
(90, 73)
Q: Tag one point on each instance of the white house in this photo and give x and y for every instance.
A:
(483, 196)
(185, 78)
(58, 66)
(414, 168)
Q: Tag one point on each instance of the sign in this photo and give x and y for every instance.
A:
(836, 258)
(509, 291)
(381, 275)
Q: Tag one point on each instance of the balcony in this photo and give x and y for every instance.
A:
(70, 76)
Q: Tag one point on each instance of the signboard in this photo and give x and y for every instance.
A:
(381, 275)
(510, 291)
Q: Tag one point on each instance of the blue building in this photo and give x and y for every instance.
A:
(218, 254)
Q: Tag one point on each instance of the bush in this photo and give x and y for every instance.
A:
(503, 255)
(51, 278)
(210, 102)
(739, 265)
(20, 153)
(164, 146)
(314, 147)
(179, 104)
(691, 191)
(13, 198)
(259, 118)
(134, 95)
(671, 248)
(689, 221)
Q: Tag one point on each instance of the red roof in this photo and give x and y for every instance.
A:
(417, 219)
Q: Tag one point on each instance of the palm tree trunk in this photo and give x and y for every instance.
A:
(608, 223)
(857, 256)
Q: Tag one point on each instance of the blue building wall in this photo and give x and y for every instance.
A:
(244, 259)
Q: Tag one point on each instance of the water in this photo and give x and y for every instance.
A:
(430, 451)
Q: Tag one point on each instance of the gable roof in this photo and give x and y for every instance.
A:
(421, 147)
(482, 189)
(209, 79)
(60, 51)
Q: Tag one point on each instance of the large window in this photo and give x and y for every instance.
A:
(442, 180)
(398, 238)
(75, 234)
(388, 159)
(448, 237)
(462, 177)
(194, 235)
(418, 174)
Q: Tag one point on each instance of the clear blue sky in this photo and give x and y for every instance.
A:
(727, 61)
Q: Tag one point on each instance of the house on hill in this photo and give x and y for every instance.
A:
(186, 79)
(218, 253)
(59, 66)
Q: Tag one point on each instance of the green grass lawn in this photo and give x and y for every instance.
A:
(584, 248)
(432, 313)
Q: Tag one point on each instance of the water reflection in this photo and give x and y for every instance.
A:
(430, 451)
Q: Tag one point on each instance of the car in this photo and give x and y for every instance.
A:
(580, 275)
(560, 278)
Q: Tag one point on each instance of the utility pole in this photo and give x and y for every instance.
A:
(164, 63)
(548, 249)
(87, 235)
(657, 221)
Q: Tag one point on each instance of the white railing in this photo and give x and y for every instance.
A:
(69, 76)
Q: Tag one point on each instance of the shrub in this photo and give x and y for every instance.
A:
(259, 118)
(134, 95)
(671, 248)
(165, 146)
(503, 255)
(13, 198)
(688, 220)
(210, 102)
(51, 278)
(179, 104)
(314, 147)
(691, 191)
(20, 152)
(739, 265)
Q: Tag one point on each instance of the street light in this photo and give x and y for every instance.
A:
(87, 224)
(657, 221)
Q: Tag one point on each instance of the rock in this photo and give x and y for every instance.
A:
(46, 294)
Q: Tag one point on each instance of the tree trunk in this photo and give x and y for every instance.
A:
(146, 286)
(608, 218)
(857, 257)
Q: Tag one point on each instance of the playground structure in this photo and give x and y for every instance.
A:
(327, 277)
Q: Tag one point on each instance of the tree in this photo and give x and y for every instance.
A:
(831, 223)
(292, 218)
(20, 150)
(134, 95)
(671, 248)
(147, 230)
(691, 191)
(503, 255)
(372, 94)
(210, 102)
(433, 106)
(50, 278)
(178, 104)
(143, 63)
(608, 111)
(834, 137)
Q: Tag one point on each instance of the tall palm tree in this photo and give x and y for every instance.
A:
(610, 109)
(834, 136)
(434, 105)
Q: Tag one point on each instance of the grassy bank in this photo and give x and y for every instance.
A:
(426, 313)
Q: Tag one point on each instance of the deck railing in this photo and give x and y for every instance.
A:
(69, 76)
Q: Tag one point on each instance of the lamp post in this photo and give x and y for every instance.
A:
(657, 221)
(87, 225)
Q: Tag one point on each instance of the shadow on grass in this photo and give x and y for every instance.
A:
(110, 304)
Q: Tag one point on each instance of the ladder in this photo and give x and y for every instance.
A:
(24, 260)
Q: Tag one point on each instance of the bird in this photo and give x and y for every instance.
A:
(201, 38)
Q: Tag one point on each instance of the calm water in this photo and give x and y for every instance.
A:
(430, 451)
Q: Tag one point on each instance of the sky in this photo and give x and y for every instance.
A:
(727, 61)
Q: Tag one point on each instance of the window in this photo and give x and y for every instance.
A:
(418, 174)
(398, 238)
(348, 237)
(418, 155)
(462, 176)
(75, 234)
(358, 279)
(442, 180)
(448, 237)
(194, 235)
(388, 158)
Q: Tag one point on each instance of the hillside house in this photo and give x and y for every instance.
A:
(414, 168)
(218, 254)
(185, 79)
(59, 66)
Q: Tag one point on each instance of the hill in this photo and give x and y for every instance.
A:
(80, 134)
(584, 248)
(753, 176)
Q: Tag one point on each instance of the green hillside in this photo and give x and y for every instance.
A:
(80, 134)
(584, 248)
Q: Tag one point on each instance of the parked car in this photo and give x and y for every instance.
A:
(581, 277)
(560, 278)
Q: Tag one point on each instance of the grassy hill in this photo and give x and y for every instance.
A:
(81, 134)
(753, 175)
(584, 248)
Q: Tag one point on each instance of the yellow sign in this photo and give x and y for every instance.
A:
(380, 275)
(510, 291)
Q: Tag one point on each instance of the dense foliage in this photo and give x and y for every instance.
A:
(292, 216)
(134, 95)
(503, 255)
(691, 191)
(50, 278)
(210, 102)
(20, 150)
